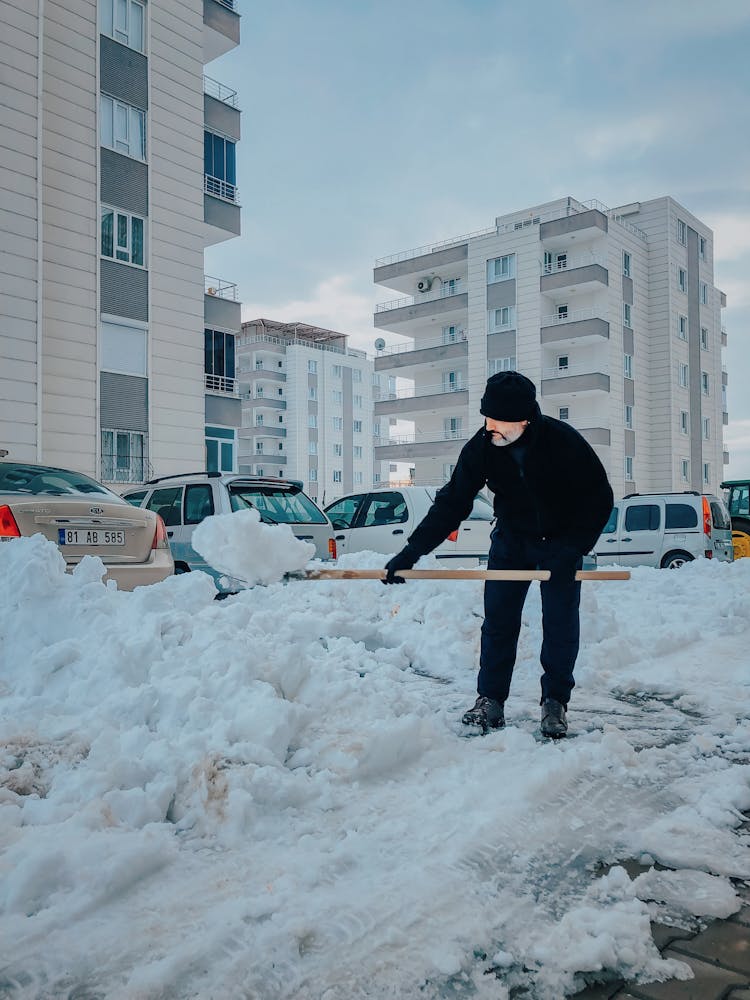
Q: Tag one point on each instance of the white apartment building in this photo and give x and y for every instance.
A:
(614, 315)
(118, 169)
(307, 408)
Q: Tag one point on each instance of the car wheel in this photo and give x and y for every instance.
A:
(673, 560)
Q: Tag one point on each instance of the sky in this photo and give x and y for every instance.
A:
(371, 128)
(272, 796)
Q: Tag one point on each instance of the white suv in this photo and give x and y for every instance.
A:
(665, 530)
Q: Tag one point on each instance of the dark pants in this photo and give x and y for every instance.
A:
(503, 604)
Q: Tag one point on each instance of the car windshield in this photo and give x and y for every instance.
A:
(278, 504)
(36, 480)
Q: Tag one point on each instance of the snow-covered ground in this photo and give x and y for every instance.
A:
(270, 797)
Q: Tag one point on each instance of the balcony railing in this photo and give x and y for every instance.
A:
(424, 390)
(231, 4)
(435, 437)
(220, 189)
(222, 384)
(460, 338)
(446, 291)
(219, 91)
(585, 368)
(568, 263)
(396, 258)
(221, 289)
(570, 317)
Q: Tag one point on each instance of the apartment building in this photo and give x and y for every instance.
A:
(307, 408)
(118, 171)
(613, 313)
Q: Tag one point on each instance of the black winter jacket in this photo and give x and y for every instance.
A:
(559, 490)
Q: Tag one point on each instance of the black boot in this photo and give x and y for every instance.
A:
(554, 721)
(486, 713)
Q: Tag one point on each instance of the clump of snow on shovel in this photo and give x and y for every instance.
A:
(241, 546)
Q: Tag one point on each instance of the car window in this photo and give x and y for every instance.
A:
(385, 508)
(642, 517)
(136, 499)
(167, 504)
(739, 501)
(680, 515)
(611, 526)
(482, 510)
(17, 477)
(199, 503)
(343, 512)
(276, 504)
(720, 515)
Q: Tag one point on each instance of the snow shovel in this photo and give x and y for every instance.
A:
(459, 574)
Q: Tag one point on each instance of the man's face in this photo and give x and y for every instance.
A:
(505, 432)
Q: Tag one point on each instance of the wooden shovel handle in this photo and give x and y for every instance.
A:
(459, 574)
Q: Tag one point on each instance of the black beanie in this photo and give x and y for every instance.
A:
(509, 396)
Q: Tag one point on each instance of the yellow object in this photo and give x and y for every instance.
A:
(741, 544)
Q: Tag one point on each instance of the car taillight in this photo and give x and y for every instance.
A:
(332, 548)
(453, 537)
(8, 526)
(706, 517)
(160, 535)
(708, 554)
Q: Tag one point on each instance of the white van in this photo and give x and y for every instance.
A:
(665, 530)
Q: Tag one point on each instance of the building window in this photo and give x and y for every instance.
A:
(706, 473)
(357, 400)
(338, 396)
(336, 371)
(357, 426)
(563, 412)
(358, 478)
(683, 376)
(356, 374)
(704, 338)
(220, 449)
(501, 268)
(702, 247)
(312, 367)
(704, 293)
(219, 360)
(502, 319)
(562, 363)
(629, 468)
(337, 475)
(685, 470)
(682, 279)
(682, 327)
(123, 128)
(123, 348)
(358, 451)
(626, 263)
(681, 232)
(376, 478)
(312, 392)
(705, 385)
(338, 423)
(312, 447)
(452, 334)
(627, 318)
(684, 422)
(338, 450)
(450, 287)
(313, 475)
(629, 416)
(124, 21)
(123, 454)
(501, 365)
(312, 420)
(122, 237)
(707, 428)
(628, 365)
(220, 166)
(562, 312)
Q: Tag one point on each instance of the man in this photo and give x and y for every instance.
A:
(552, 499)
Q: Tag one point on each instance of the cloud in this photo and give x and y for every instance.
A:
(737, 442)
(732, 234)
(629, 138)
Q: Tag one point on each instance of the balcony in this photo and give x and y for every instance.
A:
(580, 380)
(585, 273)
(220, 111)
(262, 430)
(260, 372)
(595, 435)
(406, 355)
(221, 28)
(221, 210)
(409, 447)
(222, 385)
(221, 305)
(419, 399)
(571, 326)
(401, 271)
(446, 303)
(258, 399)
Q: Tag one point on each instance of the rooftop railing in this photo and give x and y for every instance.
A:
(245, 340)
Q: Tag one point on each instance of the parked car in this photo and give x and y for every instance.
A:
(184, 501)
(665, 530)
(82, 517)
(381, 521)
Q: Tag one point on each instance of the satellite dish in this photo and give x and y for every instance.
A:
(379, 344)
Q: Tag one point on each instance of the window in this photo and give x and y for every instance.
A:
(704, 293)
(682, 327)
(611, 526)
(384, 508)
(312, 367)
(450, 287)
(451, 428)
(167, 503)
(124, 21)
(706, 473)
(628, 365)
(336, 371)
(337, 475)
(563, 412)
(562, 312)
(199, 503)
(502, 319)
(123, 349)
(704, 338)
(681, 232)
(312, 420)
(629, 468)
(375, 478)
(626, 263)
(219, 359)
(356, 374)
(313, 475)
(312, 392)
(452, 334)
(642, 517)
(220, 164)
(683, 376)
(312, 447)
(684, 422)
(501, 365)
(501, 268)
(123, 455)
(629, 416)
(342, 514)
(707, 428)
(337, 396)
(555, 262)
(338, 423)
(685, 470)
(220, 449)
(562, 363)
(705, 386)
(358, 478)
(357, 426)
(452, 381)
(680, 515)
(702, 247)
(358, 451)
(122, 236)
(627, 314)
(682, 279)
(123, 128)
(357, 400)
(338, 449)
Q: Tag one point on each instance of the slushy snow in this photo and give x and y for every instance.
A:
(270, 797)
(244, 548)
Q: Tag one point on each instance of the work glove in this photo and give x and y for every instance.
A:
(404, 559)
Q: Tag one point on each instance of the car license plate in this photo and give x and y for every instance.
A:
(89, 536)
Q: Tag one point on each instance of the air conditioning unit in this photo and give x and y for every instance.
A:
(424, 284)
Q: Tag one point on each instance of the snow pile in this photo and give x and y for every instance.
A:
(269, 796)
(244, 548)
